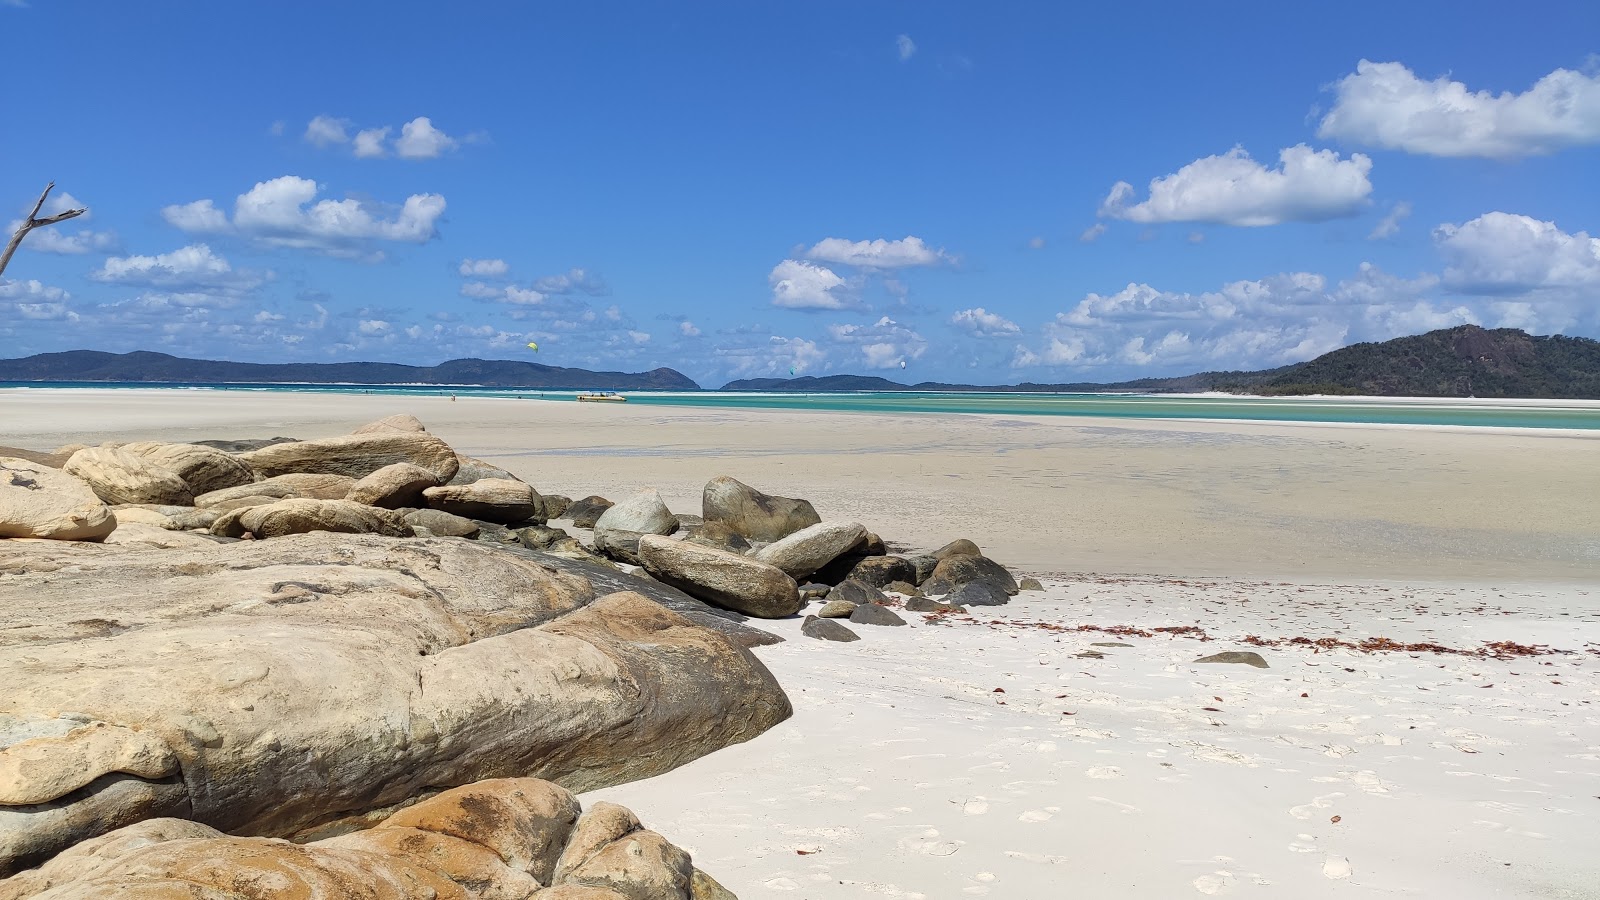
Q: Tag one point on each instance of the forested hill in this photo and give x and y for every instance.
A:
(1465, 361)
(159, 368)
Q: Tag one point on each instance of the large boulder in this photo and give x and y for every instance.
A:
(39, 501)
(619, 528)
(117, 476)
(720, 536)
(555, 505)
(469, 470)
(496, 839)
(309, 486)
(204, 469)
(393, 486)
(303, 685)
(442, 524)
(757, 516)
(809, 549)
(356, 455)
(584, 513)
(957, 547)
(954, 571)
(492, 499)
(399, 422)
(300, 516)
(717, 576)
(881, 571)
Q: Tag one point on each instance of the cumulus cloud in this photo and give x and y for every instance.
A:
(905, 47)
(58, 239)
(1387, 105)
(1389, 225)
(687, 329)
(281, 213)
(419, 138)
(878, 254)
(194, 267)
(772, 355)
(34, 301)
(483, 268)
(368, 143)
(573, 281)
(797, 284)
(979, 322)
(1500, 253)
(884, 344)
(1233, 189)
(325, 131)
(1093, 232)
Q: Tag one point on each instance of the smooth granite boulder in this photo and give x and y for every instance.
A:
(469, 470)
(39, 501)
(497, 839)
(393, 486)
(716, 576)
(923, 565)
(978, 593)
(836, 609)
(858, 592)
(441, 523)
(757, 516)
(356, 455)
(117, 476)
(881, 571)
(300, 516)
(957, 547)
(720, 536)
(492, 499)
(586, 512)
(204, 469)
(402, 422)
(619, 528)
(873, 614)
(955, 571)
(809, 549)
(309, 486)
(305, 685)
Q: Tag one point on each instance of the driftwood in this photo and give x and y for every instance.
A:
(33, 221)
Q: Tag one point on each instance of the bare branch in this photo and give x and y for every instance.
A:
(58, 217)
(33, 221)
(40, 205)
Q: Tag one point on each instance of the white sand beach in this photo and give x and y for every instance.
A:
(984, 755)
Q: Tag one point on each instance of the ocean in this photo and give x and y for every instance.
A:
(1565, 414)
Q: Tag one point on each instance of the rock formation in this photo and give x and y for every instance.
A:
(37, 501)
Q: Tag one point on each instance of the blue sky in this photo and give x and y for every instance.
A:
(983, 192)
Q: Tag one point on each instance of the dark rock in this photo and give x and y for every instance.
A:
(924, 565)
(813, 591)
(879, 571)
(442, 523)
(1243, 657)
(839, 569)
(926, 604)
(858, 592)
(958, 547)
(954, 571)
(904, 588)
(827, 630)
(540, 537)
(1090, 654)
(245, 446)
(720, 536)
(872, 545)
(757, 516)
(584, 513)
(555, 506)
(978, 593)
(494, 532)
(873, 614)
(1110, 644)
(620, 545)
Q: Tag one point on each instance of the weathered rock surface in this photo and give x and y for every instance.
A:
(402, 422)
(441, 523)
(926, 604)
(469, 470)
(716, 576)
(957, 547)
(1029, 584)
(873, 614)
(356, 455)
(172, 518)
(757, 516)
(117, 476)
(49, 460)
(836, 609)
(978, 593)
(903, 587)
(300, 516)
(584, 513)
(809, 549)
(204, 469)
(880, 571)
(923, 565)
(492, 499)
(954, 571)
(617, 531)
(827, 630)
(498, 839)
(720, 536)
(40, 501)
(157, 536)
(245, 445)
(306, 485)
(1239, 657)
(289, 685)
(555, 505)
(393, 486)
(858, 592)
(540, 537)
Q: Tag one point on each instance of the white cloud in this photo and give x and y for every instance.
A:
(780, 356)
(802, 285)
(1036, 243)
(1387, 105)
(420, 140)
(193, 267)
(373, 327)
(1502, 253)
(480, 291)
(884, 344)
(276, 212)
(369, 143)
(1093, 232)
(483, 268)
(979, 322)
(55, 239)
(523, 296)
(325, 131)
(34, 301)
(1233, 189)
(638, 337)
(1389, 225)
(905, 46)
(687, 329)
(572, 281)
(878, 254)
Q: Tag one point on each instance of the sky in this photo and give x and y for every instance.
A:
(929, 191)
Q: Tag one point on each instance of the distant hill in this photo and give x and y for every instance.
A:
(159, 368)
(1465, 361)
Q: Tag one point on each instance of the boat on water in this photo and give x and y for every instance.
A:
(602, 397)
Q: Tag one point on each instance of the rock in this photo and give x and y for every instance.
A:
(242, 446)
(858, 592)
(836, 609)
(873, 614)
(494, 532)
(39, 501)
(622, 546)
(954, 571)
(240, 503)
(926, 604)
(299, 516)
(584, 513)
(757, 516)
(393, 486)
(172, 518)
(555, 505)
(299, 686)
(978, 593)
(827, 630)
(496, 839)
(469, 470)
(204, 469)
(813, 591)
(958, 547)
(720, 536)
(494, 499)
(304, 485)
(809, 549)
(716, 576)
(402, 422)
(356, 455)
(1090, 654)
(841, 567)
(924, 566)
(540, 537)
(1030, 584)
(1243, 657)
(880, 571)
(49, 460)
(117, 476)
(872, 545)
(441, 523)
(157, 536)
(617, 531)
(1110, 644)
(903, 588)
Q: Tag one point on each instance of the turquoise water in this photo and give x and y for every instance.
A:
(1528, 414)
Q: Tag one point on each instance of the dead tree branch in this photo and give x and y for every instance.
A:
(33, 221)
